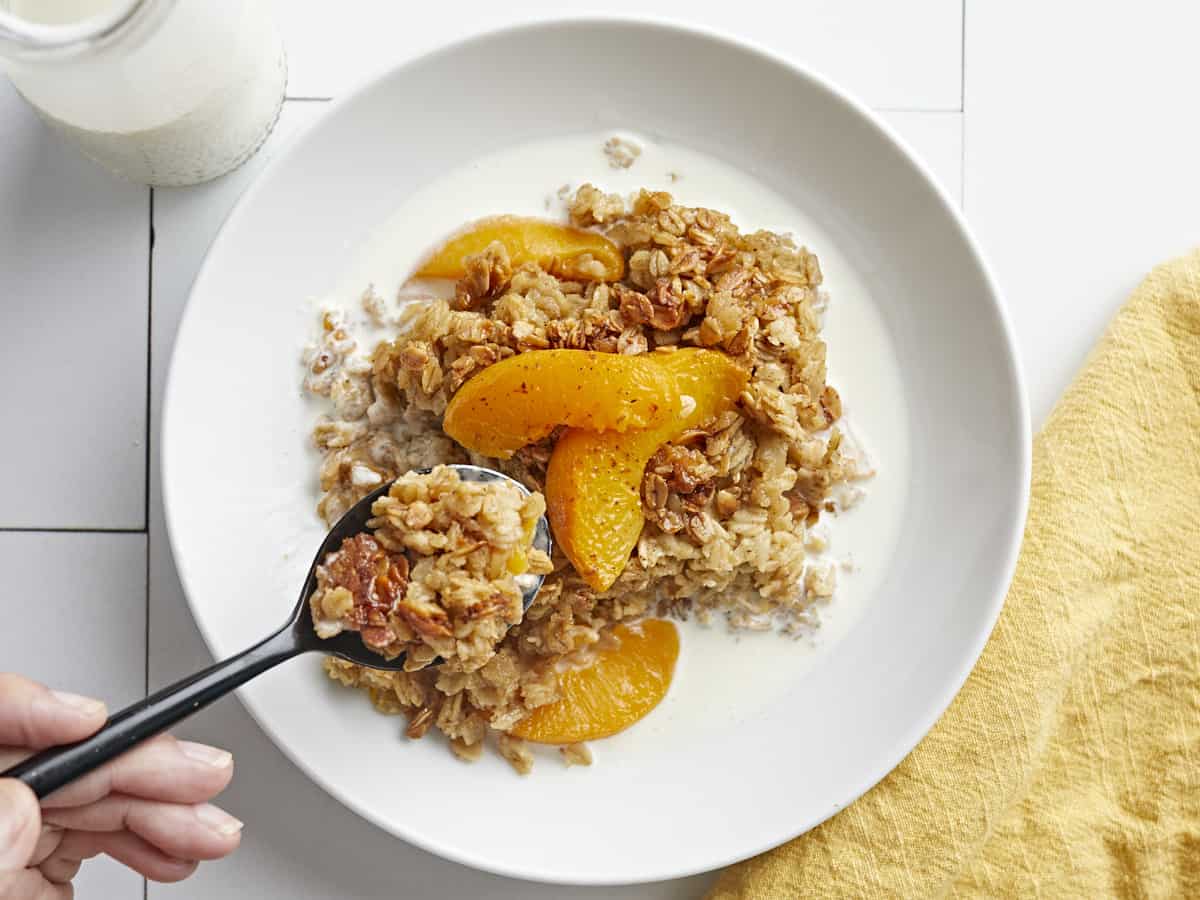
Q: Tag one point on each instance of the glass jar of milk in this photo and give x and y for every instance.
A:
(163, 92)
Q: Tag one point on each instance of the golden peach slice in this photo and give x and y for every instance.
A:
(520, 400)
(567, 252)
(621, 687)
(594, 477)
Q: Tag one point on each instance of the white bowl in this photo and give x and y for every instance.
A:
(679, 793)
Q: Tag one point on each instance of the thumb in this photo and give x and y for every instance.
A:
(20, 824)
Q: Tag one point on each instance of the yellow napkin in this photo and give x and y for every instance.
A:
(1069, 764)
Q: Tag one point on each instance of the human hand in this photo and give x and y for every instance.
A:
(147, 809)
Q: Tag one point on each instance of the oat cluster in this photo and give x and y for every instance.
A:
(435, 575)
(730, 506)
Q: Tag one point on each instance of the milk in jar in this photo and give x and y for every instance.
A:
(163, 92)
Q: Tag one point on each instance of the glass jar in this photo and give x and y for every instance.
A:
(163, 92)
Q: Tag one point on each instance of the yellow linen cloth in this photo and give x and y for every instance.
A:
(1069, 764)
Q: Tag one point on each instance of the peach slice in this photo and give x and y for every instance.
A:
(520, 400)
(594, 477)
(622, 686)
(560, 249)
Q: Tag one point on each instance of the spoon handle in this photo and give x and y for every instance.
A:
(47, 771)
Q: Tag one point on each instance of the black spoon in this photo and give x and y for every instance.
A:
(49, 770)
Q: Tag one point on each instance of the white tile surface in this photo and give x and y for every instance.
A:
(936, 137)
(82, 629)
(898, 55)
(1082, 141)
(288, 817)
(73, 254)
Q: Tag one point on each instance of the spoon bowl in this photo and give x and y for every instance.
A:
(49, 770)
(348, 645)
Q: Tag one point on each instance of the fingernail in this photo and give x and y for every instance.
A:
(84, 705)
(218, 820)
(210, 756)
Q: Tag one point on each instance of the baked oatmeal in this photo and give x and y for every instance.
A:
(729, 508)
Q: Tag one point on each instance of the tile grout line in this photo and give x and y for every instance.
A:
(962, 58)
(149, 353)
(149, 432)
(17, 529)
(962, 122)
(149, 425)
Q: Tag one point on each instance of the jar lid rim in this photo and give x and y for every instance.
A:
(31, 41)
